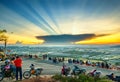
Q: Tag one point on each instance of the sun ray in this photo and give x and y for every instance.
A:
(56, 17)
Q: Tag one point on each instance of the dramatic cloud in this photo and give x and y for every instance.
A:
(30, 18)
(65, 38)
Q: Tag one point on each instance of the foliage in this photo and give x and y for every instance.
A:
(3, 31)
(80, 78)
(3, 36)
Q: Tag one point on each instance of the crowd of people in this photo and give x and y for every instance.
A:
(101, 64)
(57, 60)
(89, 63)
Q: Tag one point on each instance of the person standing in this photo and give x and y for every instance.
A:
(12, 65)
(18, 64)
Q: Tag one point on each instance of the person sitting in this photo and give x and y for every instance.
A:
(111, 76)
(75, 68)
(32, 68)
(7, 69)
(65, 70)
(7, 65)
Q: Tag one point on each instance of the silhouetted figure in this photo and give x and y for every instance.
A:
(107, 66)
(102, 64)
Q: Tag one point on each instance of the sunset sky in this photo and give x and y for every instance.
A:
(26, 19)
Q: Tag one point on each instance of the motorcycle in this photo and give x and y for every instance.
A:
(6, 73)
(112, 77)
(77, 71)
(94, 73)
(65, 71)
(36, 72)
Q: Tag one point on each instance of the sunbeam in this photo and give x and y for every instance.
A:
(58, 17)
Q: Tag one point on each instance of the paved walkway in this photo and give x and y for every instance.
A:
(50, 69)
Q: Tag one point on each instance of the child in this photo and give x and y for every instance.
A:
(7, 65)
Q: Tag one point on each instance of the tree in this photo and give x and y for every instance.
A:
(3, 37)
(3, 31)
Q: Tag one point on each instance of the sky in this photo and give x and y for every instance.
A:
(26, 19)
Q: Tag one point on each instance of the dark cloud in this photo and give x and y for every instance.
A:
(65, 38)
(102, 35)
(93, 37)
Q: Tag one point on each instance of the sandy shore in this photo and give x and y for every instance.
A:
(50, 69)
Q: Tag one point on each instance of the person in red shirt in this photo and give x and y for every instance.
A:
(18, 64)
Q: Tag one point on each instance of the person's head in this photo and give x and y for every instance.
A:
(32, 64)
(112, 73)
(17, 56)
(7, 61)
(13, 58)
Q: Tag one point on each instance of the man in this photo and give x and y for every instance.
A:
(18, 64)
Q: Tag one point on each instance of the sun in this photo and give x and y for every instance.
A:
(75, 29)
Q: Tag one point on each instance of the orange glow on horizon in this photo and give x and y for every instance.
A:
(23, 39)
(109, 39)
